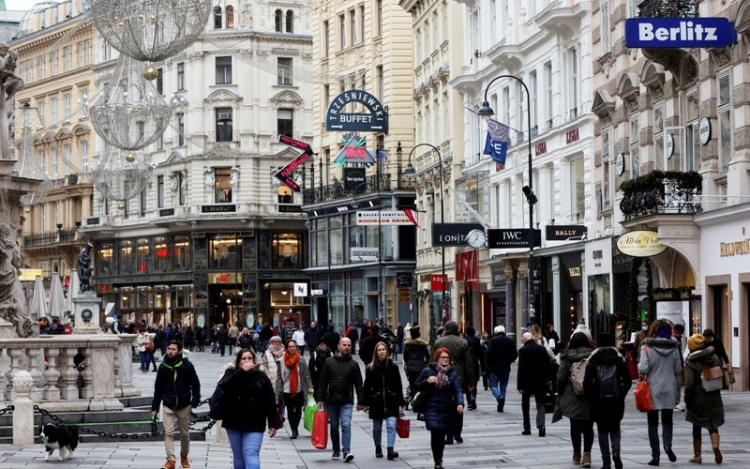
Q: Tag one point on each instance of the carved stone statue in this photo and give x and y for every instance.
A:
(10, 84)
(84, 267)
(11, 294)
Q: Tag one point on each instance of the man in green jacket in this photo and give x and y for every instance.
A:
(463, 364)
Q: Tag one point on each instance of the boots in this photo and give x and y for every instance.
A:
(501, 405)
(616, 459)
(586, 460)
(184, 461)
(606, 462)
(715, 446)
(378, 451)
(392, 454)
(577, 459)
(696, 459)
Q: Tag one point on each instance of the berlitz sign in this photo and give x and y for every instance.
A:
(663, 33)
(375, 121)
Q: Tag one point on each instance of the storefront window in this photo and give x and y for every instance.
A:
(287, 250)
(104, 262)
(142, 300)
(337, 304)
(143, 254)
(126, 299)
(357, 312)
(225, 252)
(181, 254)
(600, 313)
(320, 243)
(159, 298)
(161, 251)
(337, 241)
(182, 297)
(222, 185)
(127, 257)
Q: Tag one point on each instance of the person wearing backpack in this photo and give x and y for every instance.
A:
(572, 400)
(704, 407)
(606, 384)
(661, 366)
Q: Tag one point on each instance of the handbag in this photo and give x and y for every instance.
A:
(150, 347)
(712, 378)
(642, 395)
(403, 426)
(309, 413)
(419, 402)
(215, 404)
(550, 401)
(319, 434)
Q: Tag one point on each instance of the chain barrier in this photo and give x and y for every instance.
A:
(112, 435)
(9, 408)
(195, 419)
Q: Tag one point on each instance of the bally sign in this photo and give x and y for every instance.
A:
(661, 33)
(512, 238)
(640, 244)
(375, 121)
(564, 232)
(452, 234)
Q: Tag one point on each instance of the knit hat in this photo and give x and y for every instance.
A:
(414, 332)
(499, 330)
(696, 342)
(582, 329)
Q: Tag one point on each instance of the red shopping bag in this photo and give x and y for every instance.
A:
(642, 395)
(319, 434)
(402, 426)
(631, 364)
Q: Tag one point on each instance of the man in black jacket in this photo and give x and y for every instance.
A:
(533, 373)
(178, 388)
(367, 346)
(501, 352)
(340, 374)
(312, 335)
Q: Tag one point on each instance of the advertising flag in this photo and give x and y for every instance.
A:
(497, 142)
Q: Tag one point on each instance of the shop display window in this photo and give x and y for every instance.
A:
(127, 257)
(143, 255)
(225, 252)
(161, 254)
(287, 250)
(104, 262)
(181, 253)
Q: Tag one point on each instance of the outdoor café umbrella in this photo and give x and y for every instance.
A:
(73, 288)
(56, 298)
(39, 302)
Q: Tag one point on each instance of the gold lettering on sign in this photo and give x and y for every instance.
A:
(574, 271)
(738, 248)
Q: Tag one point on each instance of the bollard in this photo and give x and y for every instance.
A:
(23, 413)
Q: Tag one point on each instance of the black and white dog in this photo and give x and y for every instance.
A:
(56, 436)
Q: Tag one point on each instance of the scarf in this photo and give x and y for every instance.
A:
(276, 350)
(291, 362)
(441, 380)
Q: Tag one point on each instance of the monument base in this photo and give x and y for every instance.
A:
(86, 308)
(7, 330)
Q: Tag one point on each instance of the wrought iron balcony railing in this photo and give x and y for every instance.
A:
(662, 192)
(668, 8)
(336, 191)
(50, 238)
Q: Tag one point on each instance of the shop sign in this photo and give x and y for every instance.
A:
(737, 248)
(91, 221)
(354, 180)
(300, 290)
(666, 294)
(162, 253)
(354, 151)
(640, 244)
(437, 282)
(29, 275)
(219, 208)
(704, 130)
(166, 212)
(498, 278)
(512, 238)
(452, 234)
(285, 174)
(663, 33)
(317, 292)
(224, 278)
(565, 232)
(574, 271)
(375, 121)
(541, 148)
(404, 279)
(383, 217)
(364, 254)
(404, 295)
(290, 209)
(572, 136)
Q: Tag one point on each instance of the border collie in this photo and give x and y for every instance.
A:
(56, 436)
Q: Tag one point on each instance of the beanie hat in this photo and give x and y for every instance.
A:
(414, 332)
(696, 342)
(582, 329)
(499, 330)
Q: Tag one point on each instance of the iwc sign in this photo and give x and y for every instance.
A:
(375, 121)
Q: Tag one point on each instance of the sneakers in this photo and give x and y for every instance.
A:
(170, 464)
(336, 455)
(459, 440)
(184, 462)
(348, 457)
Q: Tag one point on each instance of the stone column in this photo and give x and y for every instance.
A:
(51, 375)
(556, 313)
(510, 310)
(23, 412)
(36, 373)
(69, 375)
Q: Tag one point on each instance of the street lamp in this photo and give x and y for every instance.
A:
(486, 111)
(446, 306)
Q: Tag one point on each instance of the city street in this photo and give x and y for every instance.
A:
(491, 441)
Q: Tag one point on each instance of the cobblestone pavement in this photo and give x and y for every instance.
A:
(492, 440)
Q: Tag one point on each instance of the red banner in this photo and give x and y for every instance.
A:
(467, 269)
(438, 281)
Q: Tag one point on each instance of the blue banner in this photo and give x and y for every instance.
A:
(497, 142)
(662, 33)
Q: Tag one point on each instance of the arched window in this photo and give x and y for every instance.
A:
(278, 17)
(230, 17)
(218, 20)
(289, 21)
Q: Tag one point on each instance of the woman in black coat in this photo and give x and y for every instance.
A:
(384, 397)
(443, 390)
(248, 402)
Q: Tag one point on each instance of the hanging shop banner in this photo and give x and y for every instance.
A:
(512, 238)
(640, 244)
(383, 217)
(497, 142)
(437, 281)
(354, 151)
(300, 290)
(404, 279)
(452, 234)
(285, 173)
(565, 232)
(662, 33)
(354, 180)
(376, 120)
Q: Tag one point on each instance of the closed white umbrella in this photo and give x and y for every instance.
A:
(56, 297)
(73, 288)
(39, 302)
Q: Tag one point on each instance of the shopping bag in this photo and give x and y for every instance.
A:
(631, 364)
(319, 434)
(642, 395)
(403, 426)
(310, 410)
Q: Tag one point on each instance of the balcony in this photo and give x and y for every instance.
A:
(336, 191)
(662, 192)
(50, 238)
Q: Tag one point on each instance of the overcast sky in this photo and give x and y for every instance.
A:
(19, 4)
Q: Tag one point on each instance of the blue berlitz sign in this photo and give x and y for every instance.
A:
(663, 33)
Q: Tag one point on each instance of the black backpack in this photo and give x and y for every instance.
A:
(606, 377)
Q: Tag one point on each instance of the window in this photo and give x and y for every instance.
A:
(659, 137)
(230, 17)
(159, 191)
(160, 143)
(218, 18)
(85, 157)
(505, 108)
(54, 62)
(223, 70)
(278, 20)
(326, 39)
(80, 54)
(68, 54)
(361, 19)
(180, 76)
(104, 261)
(692, 150)
(143, 205)
(42, 65)
(519, 110)
(85, 103)
(143, 252)
(160, 80)
(181, 253)
(577, 191)
(223, 124)
(222, 185)
(632, 10)
(284, 67)
(87, 46)
(326, 97)
(605, 31)
(435, 31)
(66, 156)
(342, 32)
(41, 110)
(380, 81)
(53, 109)
(353, 26)
(549, 113)
(493, 21)
(106, 51)
(66, 107)
(180, 187)
(287, 250)
(379, 17)
(289, 21)
(53, 162)
(127, 257)
(573, 82)
(725, 122)
(161, 254)
(533, 110)
(336, 236)
(606, 169)
(285, 122)
(180, 129)
(635, 160)
(225, 252)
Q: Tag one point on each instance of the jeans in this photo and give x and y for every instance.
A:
(294, 408)
(499, 384)
(145, 360)
(525, 401)
(377, 431)
(340, 413)
(182, 418)
(301, 349)
(609, 432)
(232, 343)
(578, 427)
(437, 444)
(653, 430)
(245, 448)
(222, 349)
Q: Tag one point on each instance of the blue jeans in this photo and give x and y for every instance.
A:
(245, 448)
(377, 431)
(501, 380)
(145, 360)
(342, 413)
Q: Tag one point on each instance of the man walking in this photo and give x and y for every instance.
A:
(462, 362)
(367, 346)
(178, 388)
(533, 373)
(340, 374)
(312, 337)
(234, 335)
(501, 352)
(221, 338)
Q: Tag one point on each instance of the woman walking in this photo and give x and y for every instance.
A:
(661, 366)
(248, 403)
(442, 386)
(704, 409)
(385, 397)
(297, 385)
(416, 357)
(272, 366)
(606, 384)
(573, 402)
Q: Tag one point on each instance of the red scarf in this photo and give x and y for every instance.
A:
(291, 362)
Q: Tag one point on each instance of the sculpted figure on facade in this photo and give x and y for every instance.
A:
(11, 294)
(10, 84)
